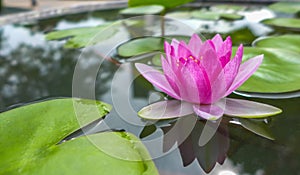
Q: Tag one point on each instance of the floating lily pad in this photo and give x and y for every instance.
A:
(143, 10)
(140, 46)
(288, 42)
(215, 15)
(30, 137)
(279, 71)
(231, 16)
(286, 7)
(82, 37)
(165, 3)
(283, 23)
(144, 45)
(206, 15)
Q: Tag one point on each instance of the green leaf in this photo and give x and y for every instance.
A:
(283, 23)
(286, 7)
(166, 3)
(249, 109)
(144, 45)
(143, 10)
(147, 130)
(258, 127)
(140, 46)
(30, 136)
(205, 15)
(82, 37)
(288, 42)
(278, 72)
(215, 15)
(231, 16)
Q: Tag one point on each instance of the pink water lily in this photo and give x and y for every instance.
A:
(201, 73)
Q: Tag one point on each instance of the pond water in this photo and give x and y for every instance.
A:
(32, 69)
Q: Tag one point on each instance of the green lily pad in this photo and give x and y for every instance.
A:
(288, 42)
(279, 71)
(283, 23)
(231, 16)
(205, 15)
(82, 37)
(30, 137)
(140, 46)
(286, 7)
(143, 10)
(144, 45)
(166, 3)
(215, 15)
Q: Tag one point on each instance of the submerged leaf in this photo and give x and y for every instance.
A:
(258, 127)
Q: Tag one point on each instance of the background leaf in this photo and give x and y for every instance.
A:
(283, 23)
(82, 37)
(286, 7)
(165, 3)
(143, 10)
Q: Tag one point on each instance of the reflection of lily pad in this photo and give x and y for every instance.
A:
(143, 10)
(283, 23)
(165, 3)
(286, 7)
(288, 42)
(81, 37)
(30, 136)
(279, 71)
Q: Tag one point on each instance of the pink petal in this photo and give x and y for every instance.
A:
(183, 50)
(210, 61)
(224, 52)
(231, 69)
(218, 88)
(194, 78)
(218, 41)
(194, 44)
(156, 78)
(168, 51)
(166, 110)
(245, 71)
(171, 76)
(209, 112)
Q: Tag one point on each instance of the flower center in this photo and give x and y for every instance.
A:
(188, 59)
